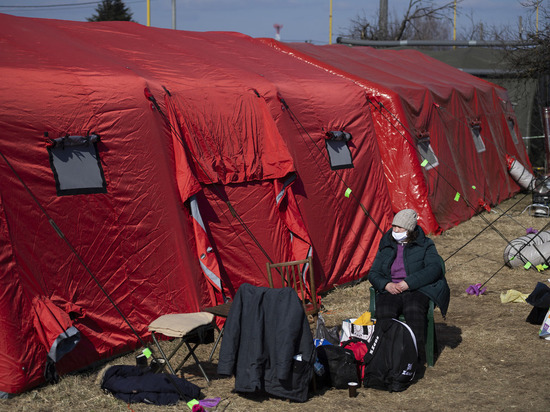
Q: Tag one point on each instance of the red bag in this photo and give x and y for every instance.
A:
(359, 349)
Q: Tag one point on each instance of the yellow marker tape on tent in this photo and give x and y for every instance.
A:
(424, 163)
(192, 403)
(457, 196)
(473, 187)
(347, 192)
(147, 352)
(527, 265)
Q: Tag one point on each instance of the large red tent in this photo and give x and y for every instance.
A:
(443, 134)
(175, 164)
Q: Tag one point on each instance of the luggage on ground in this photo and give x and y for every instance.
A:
(392, 359)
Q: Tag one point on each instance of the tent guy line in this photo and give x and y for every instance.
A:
(213, 188)
(519, 252)
(489, 224)
(72, 249)
(513, 247)
(348, 191)
(484, 229)
(412, 144)
(149, 96)
(442, 109)
(99, 285)
(134, 211)
(439, 173)
(293, 116)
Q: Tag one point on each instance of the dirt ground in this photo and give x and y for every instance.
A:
(490, 358)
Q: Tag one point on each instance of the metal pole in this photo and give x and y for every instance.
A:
(383, 19)
(330, 24)
(537, 24)
(397, 43)
(454, 23)
(174, 14)
(546, 126)
(544, 99)
(148, 13)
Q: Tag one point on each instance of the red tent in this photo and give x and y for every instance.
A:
(443, 134)
(173, 166)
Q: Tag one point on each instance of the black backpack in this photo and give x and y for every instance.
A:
(392, 359)
(340, 366)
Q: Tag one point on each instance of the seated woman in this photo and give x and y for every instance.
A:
(406, 273)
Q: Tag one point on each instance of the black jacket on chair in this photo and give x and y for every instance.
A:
(267, 343)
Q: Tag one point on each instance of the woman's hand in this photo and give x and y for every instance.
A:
(397, 288)
(393, 288)
(402, 286)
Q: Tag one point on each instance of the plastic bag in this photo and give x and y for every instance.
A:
(332, 335)
(351, 330)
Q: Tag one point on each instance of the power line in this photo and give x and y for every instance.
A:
(43, 6)
(51, 5)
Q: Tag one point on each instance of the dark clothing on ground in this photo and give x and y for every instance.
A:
(134, 384)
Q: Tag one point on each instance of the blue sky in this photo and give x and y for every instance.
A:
(302, 20)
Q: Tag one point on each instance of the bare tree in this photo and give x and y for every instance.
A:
(477, 30)
(413, 24)
(532, 58)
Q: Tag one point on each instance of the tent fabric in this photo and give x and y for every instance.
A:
(207, 258)
(423, 96)
(54, 328)
(234, 127)
(235, 119)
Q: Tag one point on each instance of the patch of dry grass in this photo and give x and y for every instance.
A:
(490, 359)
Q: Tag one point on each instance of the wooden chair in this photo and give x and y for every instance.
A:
(294, 274)
(221, 311)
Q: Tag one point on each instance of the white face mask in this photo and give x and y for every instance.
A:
(399, 236)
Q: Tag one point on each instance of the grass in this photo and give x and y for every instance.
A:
(490, 358)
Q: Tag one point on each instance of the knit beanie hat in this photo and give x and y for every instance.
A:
(406, 219)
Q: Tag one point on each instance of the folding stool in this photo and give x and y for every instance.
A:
(188, 328)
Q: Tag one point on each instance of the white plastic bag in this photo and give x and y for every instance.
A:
(350, 330)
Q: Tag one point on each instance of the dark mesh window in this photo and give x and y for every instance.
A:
(476, 135)
(76, 165)
(428, 159)
(338, 150)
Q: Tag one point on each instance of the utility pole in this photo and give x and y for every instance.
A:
(537, 23)
(544, 98)
(174, 14)
(383, 19)
(330, 24)
(454, 23)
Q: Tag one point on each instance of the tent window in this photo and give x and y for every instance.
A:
(476, 134)
(512, 130)
(76, 165)
(428, 159)
(338, 150)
